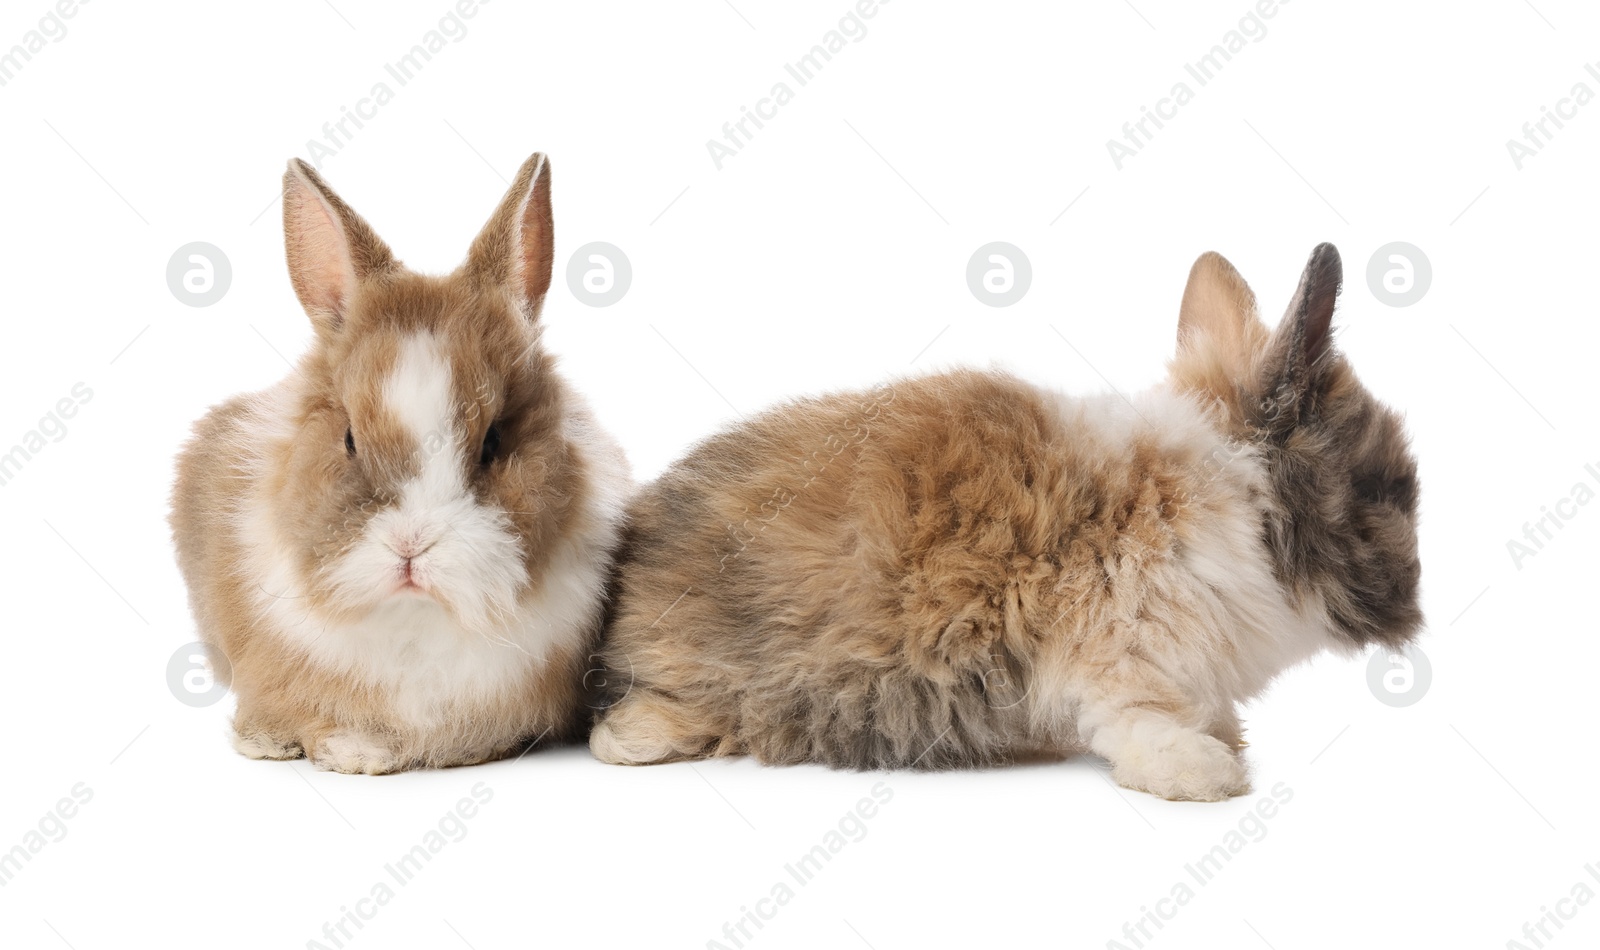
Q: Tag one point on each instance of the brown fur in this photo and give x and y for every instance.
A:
(321, 497)
(959, 569)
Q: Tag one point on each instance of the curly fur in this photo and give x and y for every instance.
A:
(960, 569)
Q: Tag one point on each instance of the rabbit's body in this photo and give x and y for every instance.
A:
(406, 684)
(401, 550)
(960, 569)
(951, 571)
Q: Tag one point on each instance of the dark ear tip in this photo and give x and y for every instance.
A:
(1325, 261)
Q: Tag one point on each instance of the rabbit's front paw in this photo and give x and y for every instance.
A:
(354, 754)
(1183, 766)
(260, 745)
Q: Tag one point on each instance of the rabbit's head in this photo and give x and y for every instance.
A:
(423, 454)
(1343, 529)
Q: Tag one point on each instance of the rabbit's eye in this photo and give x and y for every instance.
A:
(349, 443)
(1399, 491)
(491, 446)
(1376, 488)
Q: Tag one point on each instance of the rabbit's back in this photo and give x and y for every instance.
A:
(868, 579)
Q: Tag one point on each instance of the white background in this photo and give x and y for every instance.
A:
(831, 251)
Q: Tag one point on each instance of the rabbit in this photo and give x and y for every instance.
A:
(965, 569)
(400, 552)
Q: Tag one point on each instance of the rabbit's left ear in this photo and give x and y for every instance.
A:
(1217, 304)
(516, 248)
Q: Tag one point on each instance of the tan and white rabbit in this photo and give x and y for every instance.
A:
(401, 550)
(961, 569)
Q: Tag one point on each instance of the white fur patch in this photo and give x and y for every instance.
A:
(1154, 754)
(418, 393)
(1247, 630)
(354, 754)
(464, 555)
(262, 746)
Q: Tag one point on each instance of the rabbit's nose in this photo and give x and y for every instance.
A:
(410, 546)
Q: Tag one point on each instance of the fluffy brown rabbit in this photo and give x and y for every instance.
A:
(961, 569)
(401, 550)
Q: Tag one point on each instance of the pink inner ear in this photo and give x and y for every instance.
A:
(536, 240)
(1217, 303)
(319, 257)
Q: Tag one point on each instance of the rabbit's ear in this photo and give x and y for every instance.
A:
(516, 249)
(330, 248)
(1217, 303)
(1304, 339)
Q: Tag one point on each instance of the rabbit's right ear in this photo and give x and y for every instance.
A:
(330, 248)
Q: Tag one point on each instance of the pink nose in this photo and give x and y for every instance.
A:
(409, 547)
